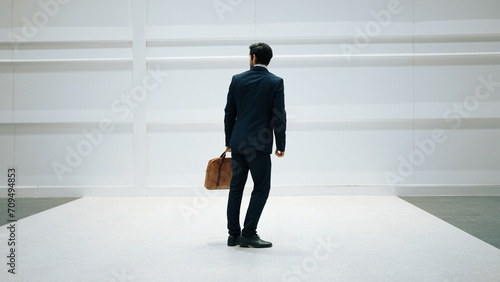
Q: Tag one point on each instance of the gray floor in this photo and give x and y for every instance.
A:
(29, 206)
(476, 215)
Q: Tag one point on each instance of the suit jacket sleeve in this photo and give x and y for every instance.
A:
(229, 114)
(279, 117)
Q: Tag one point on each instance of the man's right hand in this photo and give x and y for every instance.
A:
(280, 154)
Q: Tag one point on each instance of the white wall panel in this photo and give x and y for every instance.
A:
(74, 52)
(193, 92)
(341, 153)
(70, 92)
(6, 92)
(199, 19)
(195, 50)
(317, 153)
(470, 154)
(107, 163)
(372, 99)
(351, 118)
(317, 18)
(439, 86)
(224, 50)
(5, 53)
(5, 20)
(74, 21)
(6, 151)
(335, 90)
(456, 17)
(340, 91)
(6, 130)
(178, 153)
(471, 45)
(285, 48)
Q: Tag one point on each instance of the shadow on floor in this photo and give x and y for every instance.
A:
(29, 206)
(476, 215)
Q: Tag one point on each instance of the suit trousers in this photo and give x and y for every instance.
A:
(259, 165)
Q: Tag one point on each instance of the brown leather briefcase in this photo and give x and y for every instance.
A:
(219, 173)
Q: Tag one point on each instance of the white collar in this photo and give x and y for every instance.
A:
(260, 65)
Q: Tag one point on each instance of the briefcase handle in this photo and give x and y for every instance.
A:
(223, 157)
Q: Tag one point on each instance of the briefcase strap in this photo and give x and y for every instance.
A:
(223, 157)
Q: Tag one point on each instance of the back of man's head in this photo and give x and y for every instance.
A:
(262, 51)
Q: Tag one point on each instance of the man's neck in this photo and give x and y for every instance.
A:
(260, 65)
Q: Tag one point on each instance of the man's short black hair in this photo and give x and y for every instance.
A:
(262, 51)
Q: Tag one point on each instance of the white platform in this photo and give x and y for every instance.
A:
(327, 238)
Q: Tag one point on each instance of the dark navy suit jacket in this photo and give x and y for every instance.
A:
(255, 109)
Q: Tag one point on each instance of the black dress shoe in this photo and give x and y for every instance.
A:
(255, 242)
(233, 240)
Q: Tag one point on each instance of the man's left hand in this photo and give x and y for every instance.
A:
(280, 154)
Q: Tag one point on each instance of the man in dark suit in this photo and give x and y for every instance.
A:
(255, 109)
